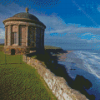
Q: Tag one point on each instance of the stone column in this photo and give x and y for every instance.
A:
(18, 35)
(5, 35)
(9, 35)
(27, 27)
(35, 38)
(42, 33)
(40, 37)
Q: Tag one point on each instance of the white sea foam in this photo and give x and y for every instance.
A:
(86, 64)
(96, 57)
(91, 62)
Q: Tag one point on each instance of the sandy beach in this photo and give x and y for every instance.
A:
(63, 56)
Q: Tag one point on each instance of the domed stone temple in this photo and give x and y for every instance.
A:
(23, 32)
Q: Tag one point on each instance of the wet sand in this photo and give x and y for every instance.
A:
(62, 56)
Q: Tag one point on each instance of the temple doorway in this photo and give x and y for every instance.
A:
(12, 51)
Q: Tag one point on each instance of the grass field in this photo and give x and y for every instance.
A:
(21, 81)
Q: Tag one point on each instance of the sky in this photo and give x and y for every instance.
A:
(70, 24)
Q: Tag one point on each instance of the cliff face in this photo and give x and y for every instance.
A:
(58, 85)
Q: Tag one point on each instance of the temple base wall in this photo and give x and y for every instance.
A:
(21, 50)
(18, 50)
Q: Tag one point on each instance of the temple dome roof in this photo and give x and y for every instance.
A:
(26, 15)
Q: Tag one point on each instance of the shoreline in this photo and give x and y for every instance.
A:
(55, 81)
(79, 82)
(59, 73)
(76, 73)
(59, 70)
(63, 56)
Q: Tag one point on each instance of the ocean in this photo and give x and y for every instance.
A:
(85, 63)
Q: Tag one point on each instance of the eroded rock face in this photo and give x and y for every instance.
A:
(57, 84)
(82, 83)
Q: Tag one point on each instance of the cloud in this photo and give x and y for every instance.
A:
(55, 24)
(90, 37)
(2, 33)
(98, 8)
(10, 9)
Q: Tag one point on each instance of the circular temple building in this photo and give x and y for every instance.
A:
(23, 32)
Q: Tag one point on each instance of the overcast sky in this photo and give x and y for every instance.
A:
(71, 24)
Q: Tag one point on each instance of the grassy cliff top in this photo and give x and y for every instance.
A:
(46, 47)
(51, 47)
(21, 81)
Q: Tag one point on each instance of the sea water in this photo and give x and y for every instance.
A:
(90, 61)
(87, 64)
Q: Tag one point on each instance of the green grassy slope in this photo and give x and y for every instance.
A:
(21, 81)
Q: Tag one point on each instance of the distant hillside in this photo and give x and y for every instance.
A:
(1, 41)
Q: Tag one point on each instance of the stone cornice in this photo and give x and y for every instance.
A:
(8, 23)
(24, 20)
